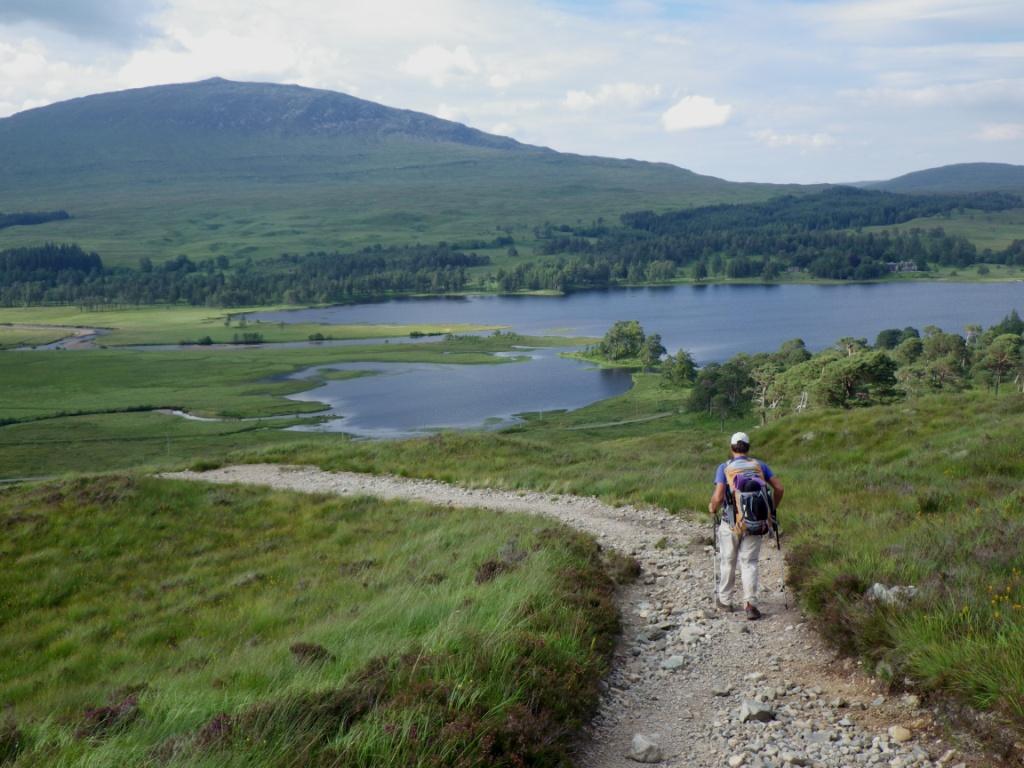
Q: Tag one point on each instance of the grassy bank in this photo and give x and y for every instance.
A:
(174, 324)
(112, 441)
(14, 336)
(158, 621)
(209, 382)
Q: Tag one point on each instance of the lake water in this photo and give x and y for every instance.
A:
(406, 399)
(713, 322)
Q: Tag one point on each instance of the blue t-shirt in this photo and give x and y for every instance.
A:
(720, 474)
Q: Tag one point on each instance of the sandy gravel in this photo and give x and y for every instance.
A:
(682, 671)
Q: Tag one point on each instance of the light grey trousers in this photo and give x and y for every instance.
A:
(730, 550)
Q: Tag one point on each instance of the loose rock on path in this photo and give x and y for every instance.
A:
(700, 687)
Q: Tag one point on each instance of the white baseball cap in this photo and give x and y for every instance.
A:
(739, 437)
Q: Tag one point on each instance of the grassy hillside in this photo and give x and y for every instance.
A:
(986, 229)
(924, 492)
(960, 177)
(247, 169)
(156, 622)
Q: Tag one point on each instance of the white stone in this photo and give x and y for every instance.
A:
(645, 750)
(899, 734)
(753, 710)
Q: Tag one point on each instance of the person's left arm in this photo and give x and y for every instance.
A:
(773, 481)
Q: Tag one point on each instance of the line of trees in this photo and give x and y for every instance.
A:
(27, 218)
(623, 260)
(834, 208)
(66, 274)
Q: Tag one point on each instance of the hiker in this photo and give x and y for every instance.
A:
(735, 540)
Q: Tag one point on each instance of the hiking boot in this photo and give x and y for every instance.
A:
(727, 607)
(752, 613)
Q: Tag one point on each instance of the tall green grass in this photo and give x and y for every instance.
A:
(431, 636)
(925, 492)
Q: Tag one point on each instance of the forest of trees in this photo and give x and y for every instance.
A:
(816, 233)
(65, 274)
(901, 363)
(27, 218)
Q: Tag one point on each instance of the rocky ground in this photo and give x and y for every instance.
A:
(692, 686)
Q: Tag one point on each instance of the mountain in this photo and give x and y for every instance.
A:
(256, 169)
(962, 177)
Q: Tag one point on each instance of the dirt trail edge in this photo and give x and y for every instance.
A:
(704, 688)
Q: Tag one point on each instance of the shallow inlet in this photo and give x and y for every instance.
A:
(409, 399)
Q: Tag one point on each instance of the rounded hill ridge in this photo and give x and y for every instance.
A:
(246, 108)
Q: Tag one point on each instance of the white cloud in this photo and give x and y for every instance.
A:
(502, 80)
(695, 112)
(872, 20)
(883, 11)
(212, 53)
(802, 140)
(30, 77)
(448, 112)
(1001, 132)
(976, 92)
(439, 64)
(630, 95)
(502, 129)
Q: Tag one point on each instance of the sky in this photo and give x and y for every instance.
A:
(748, 90)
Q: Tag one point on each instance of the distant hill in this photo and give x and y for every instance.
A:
(962, 177)
(254, 169)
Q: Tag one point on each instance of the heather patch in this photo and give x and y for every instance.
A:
(235, 626)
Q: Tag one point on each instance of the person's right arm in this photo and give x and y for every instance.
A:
(717, 498)
(777, 490)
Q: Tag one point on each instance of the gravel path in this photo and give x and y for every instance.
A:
(684, 674)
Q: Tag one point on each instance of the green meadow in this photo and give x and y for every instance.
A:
(150, 621)
(12, 336)
(172, 324)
